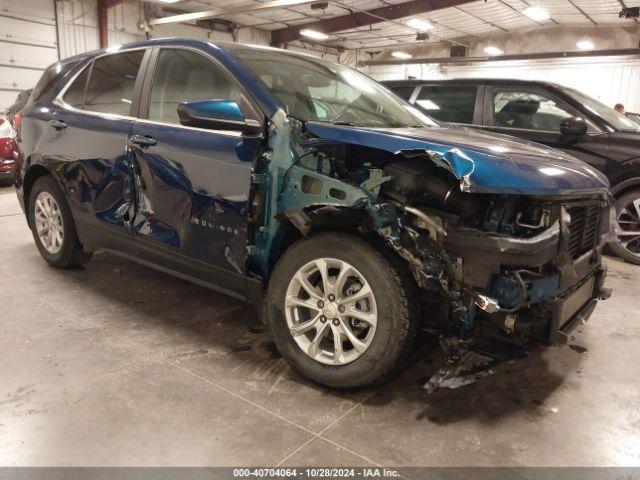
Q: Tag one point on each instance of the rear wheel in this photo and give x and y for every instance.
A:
(52, 225)
(627, 245)
(341, 312)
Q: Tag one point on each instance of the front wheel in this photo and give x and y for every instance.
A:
(341, 313)
(627, 244)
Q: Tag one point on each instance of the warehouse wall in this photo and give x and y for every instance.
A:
(610, 80)
(27, 45)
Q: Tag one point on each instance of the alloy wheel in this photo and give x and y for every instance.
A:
(628, 231)
(48, 219)
(331, 311)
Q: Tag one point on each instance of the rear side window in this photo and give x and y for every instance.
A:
(448, 104)
(49, 78)
(75, 93)
(111, 84)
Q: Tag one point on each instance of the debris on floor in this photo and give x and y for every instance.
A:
(470, 368)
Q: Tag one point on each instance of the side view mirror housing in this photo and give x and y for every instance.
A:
(216, 115)
(574, 126)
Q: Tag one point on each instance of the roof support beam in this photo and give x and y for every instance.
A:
(621, 52)
(246, 8)
(103, 12)
(362, 19)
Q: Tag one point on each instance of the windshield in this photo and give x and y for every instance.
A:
(317, 90)
(615, 119)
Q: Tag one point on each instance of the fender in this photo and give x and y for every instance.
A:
(625, 185)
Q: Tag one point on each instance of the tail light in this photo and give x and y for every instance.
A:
(17, 120)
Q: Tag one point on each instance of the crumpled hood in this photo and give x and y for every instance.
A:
(486, 162)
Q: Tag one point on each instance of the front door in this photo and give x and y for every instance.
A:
(535, 114)
(192, 184)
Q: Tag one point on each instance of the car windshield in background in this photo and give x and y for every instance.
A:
(615, 119)
(316, 90)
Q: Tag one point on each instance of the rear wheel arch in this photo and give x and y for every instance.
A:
(31, 176)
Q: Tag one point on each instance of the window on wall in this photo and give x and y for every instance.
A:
(528, 110)
(184, 75)
(448, 104)
(111, 83)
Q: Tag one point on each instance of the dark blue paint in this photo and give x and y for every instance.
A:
(226, 110)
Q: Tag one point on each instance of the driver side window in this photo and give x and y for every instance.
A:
(527, 110)
(184, 75)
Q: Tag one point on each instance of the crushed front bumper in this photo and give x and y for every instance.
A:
(538, 288)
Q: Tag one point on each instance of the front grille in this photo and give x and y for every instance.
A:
(583, 228)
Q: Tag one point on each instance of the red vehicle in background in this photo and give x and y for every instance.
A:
(8, 151)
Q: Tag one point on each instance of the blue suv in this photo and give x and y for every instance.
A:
(346, 216)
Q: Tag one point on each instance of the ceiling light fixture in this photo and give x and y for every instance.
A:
(585, 45)
(491, 50)
(536, 13)
(401, 55)
(419, 24)
(167, 1)
(307, 32)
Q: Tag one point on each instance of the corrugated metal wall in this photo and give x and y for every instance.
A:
(607, 79)
(27, 45)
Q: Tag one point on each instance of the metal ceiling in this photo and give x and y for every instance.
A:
(467, 21)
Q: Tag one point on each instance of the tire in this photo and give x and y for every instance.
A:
(392, 301)
(68, 252)
(627, 220)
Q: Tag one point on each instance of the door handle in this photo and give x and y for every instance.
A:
(142, 140)
(57, 124)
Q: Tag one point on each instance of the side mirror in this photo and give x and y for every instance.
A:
(574, 126)
(216, 115)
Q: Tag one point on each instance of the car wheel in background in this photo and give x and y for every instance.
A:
(341, 312)
(52, 225)
(627, 232)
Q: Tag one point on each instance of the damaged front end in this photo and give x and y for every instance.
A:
(500, 246)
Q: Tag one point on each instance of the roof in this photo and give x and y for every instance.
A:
(470, 81)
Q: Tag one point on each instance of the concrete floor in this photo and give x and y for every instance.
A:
(120, 365)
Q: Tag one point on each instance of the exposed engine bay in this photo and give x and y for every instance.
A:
(519, 267)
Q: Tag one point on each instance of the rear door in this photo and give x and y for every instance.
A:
(534, 113)
(457, 104)
(85, 143)
(192, 184)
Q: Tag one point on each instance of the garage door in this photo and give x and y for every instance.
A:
(27, 45)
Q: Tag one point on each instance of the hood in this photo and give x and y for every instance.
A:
(485, 162)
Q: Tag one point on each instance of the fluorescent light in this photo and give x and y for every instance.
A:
(167, 1)
(585, 45)
(491, 50)
(419, 24)
(536, 13)
(401, 55)
(307, 32)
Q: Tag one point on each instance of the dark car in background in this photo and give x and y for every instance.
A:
(553, 115)
(309, 190)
